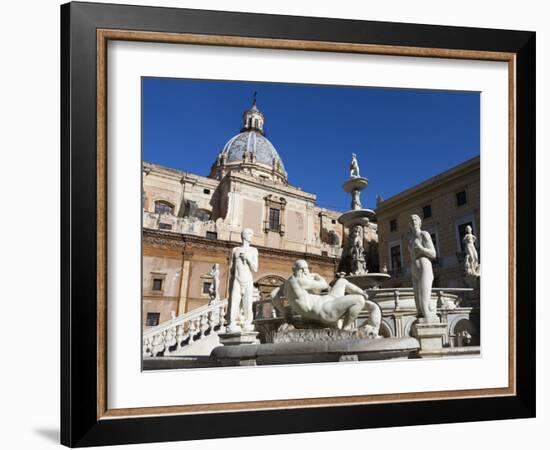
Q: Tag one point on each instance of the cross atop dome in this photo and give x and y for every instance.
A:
(253, 119)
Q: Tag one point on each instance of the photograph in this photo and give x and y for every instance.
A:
(276, 224)
(287, 223)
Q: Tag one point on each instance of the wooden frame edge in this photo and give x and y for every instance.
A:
(290, 44)
(103, 35)
(101, 224)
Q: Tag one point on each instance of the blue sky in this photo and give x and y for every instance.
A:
(401, 136)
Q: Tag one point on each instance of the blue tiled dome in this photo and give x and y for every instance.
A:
(252, 142)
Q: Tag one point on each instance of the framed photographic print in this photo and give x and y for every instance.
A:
(291, 224)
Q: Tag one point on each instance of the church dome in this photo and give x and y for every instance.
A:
(250, 151)
(252, 142)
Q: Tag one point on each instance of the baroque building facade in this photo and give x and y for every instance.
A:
(446, 204)
(191, 222)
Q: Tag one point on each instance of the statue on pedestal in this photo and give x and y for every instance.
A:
(422, 251)
(356, 199)
(339, 308)
(354, 167)
(357, 252)
(471, 260)
(214, 290)
(244, 262)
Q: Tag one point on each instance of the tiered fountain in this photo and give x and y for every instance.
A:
(354, 262)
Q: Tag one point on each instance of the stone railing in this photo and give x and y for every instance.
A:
(184, 330)
(187, 225)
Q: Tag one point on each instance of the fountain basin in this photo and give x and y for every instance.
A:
(368, 280)
(403, 298)
(357, 217)
(353, 184)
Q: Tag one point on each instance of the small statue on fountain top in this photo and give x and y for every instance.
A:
(354, 167)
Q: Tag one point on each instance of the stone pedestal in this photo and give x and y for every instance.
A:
(239, 338)
(430, 334)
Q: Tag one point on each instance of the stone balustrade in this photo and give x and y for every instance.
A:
(184, 330)
(219, 229)
(398, 314)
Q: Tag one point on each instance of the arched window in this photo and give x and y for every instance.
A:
(163, 207)
(265, 285)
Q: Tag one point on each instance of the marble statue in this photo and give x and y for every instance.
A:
(357, 252)
(354, 167)
(356, 199)
(338, 308)
(471, 261)
(422, 251)
(244, 262)
(214, 290)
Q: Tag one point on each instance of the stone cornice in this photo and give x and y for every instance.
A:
(178, 175)
(189, 242)
(280, 189)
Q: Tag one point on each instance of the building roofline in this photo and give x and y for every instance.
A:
(431, 183)
(177, 174)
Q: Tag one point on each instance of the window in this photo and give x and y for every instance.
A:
(206, 287)
(462, 233)
(324, 253)
(274, 219)
(274, 214)
(395, 255)
(152, 319)
(157, 284)
(162, 207)
(334, 221)
(393, 225)
(206, 191)
(461, 198)
(427, 211)
(165, 226)
(211, 235)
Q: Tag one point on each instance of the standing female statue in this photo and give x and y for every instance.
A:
(422, 251)
(471, 261)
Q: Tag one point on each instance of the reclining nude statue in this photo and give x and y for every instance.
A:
(339, 308)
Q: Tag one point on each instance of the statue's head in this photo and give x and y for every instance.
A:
(468, 229)
(247, 234)
(300, 268)
(353, 156)
(415, 222)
